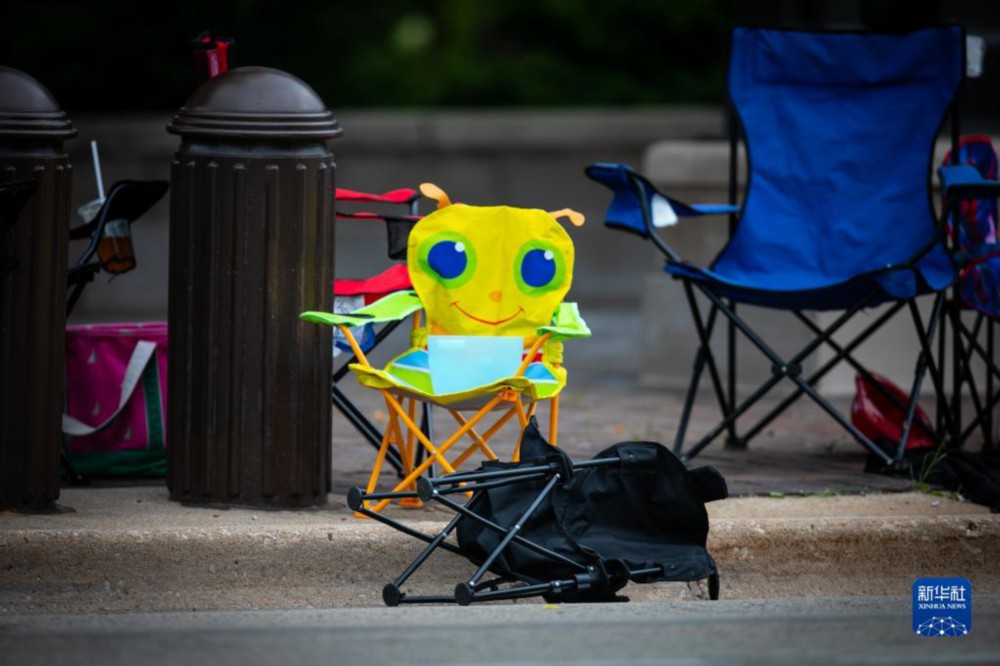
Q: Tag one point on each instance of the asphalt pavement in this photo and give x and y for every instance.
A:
(857, 630)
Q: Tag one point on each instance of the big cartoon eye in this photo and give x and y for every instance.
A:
(449, 257)
(540, 267)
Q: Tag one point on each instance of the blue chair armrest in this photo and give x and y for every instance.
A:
(965, 182)
(639, 207)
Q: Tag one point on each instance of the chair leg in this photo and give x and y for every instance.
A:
(553, 420)
(427, 427)
(782, 369)
(733, 442)
(365, 427)
(988, 444)
(841, 354)
(436, 453)
(925, 363)
(703, 359)
(705, 337)
(479, 441)
(353, 414)
(408, 455)
(391, 429)
(984, 405)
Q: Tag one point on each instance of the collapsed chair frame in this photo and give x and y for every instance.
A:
(504, 586)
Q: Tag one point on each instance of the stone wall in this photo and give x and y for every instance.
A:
(527, 158)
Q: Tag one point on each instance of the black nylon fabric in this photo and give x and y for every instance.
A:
(397, 236)
(649, 512)
(505, 505)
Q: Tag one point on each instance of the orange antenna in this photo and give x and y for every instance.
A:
(575, 218)
(432, 191)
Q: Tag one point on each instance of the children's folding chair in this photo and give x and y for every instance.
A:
(839, 129)
(351, 294)
(491, 281)
(568, 531)
(970, 189)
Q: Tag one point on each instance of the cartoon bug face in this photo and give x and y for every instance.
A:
(490, 270)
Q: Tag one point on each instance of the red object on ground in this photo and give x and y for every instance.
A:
(877, 417)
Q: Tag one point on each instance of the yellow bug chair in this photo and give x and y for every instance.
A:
(491, 282)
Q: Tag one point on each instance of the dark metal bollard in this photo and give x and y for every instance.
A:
(251, 246)
(32, 292)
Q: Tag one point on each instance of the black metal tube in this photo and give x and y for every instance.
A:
(432, 545)
(487, 485)
(704, 335)
(519, 540)
(923, 363)
(734, 139)
(523, 591)
(775, 359)
(388, 494)
(428, 599)
(647, 218)
(843, 353)
(513, 532)
(988, 444)
(452, 479)
(405, 529)
(926, 335)
(696, 372)
(969, 376)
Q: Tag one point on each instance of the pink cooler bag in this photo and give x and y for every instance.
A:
(116, 388)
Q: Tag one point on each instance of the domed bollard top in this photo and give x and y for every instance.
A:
(35, 247)
(255, 103)
(28, 110)
(251, 246)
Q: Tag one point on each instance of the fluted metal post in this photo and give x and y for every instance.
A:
(251, 246)
(33, 293)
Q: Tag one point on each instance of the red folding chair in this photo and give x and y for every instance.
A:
(350, 294)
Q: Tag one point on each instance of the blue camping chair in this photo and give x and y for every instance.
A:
(971, 190)
(839, 130)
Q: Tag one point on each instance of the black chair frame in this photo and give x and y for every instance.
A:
(501, 586)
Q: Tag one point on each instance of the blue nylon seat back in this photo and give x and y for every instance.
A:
(840, 130)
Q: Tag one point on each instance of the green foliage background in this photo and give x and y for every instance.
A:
(127, 55)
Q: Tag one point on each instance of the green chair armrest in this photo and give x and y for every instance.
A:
(566, 324)
(394, 307)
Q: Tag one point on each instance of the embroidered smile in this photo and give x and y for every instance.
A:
(458, 307)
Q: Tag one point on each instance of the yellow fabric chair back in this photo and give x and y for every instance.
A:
(490, 270)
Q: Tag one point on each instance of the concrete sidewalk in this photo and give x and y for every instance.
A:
(804, 521)
(130, 548)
